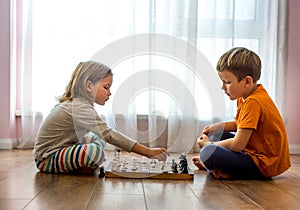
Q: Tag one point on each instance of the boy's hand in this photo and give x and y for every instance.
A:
(206, 130)
(212, 129)
(203, 140)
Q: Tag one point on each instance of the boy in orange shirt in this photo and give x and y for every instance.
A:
(259, 149)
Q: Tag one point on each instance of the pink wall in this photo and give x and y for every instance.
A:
(293, 74)
(7, 92)
(7, 119)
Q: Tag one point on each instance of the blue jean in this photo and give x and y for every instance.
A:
(238, 164)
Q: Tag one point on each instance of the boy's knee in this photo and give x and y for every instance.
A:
(207, 151)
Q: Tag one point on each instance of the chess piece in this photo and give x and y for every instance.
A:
(183, 165)
(102, 172)
(174, 166)
(165, 168)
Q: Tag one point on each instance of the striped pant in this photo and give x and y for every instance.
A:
(74, 157)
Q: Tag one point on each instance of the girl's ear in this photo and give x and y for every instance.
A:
(89, 86)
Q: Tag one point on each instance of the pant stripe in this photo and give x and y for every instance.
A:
(67, 160)
(83, 156)
(61, 162)
(56, 159)
(77, 156)
(72, 157)
(90, 152)
(49, 163)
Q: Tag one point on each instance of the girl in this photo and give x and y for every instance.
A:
(71, 137)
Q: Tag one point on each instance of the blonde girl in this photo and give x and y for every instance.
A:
(71, 138)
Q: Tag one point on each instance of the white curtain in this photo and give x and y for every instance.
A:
(31, 118)
(163, 55)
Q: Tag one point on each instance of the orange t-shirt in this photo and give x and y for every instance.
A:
(268, 144)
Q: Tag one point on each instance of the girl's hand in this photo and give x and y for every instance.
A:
(203, 140)
(158, 153)
(153, 153)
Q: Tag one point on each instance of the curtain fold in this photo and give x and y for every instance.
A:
(163, 55)
(281, 55)
(30, 119)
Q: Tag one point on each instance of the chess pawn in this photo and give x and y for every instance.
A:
(114, 165)
(165, 169)
(134, 167)
(102, 172)
(134, 164)
(124, 167)
(174, 166)
(117, 155)
(144, 160)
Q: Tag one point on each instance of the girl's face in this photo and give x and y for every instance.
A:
(232, 87)
(101, 90)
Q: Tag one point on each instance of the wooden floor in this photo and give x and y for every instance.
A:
(23, 187)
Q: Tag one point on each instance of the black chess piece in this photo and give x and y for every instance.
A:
(183, 165)
(102, 172)
(174, 166)
(184, 168)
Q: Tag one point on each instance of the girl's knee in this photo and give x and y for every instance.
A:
(96, 152)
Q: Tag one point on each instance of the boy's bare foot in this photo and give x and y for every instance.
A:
(198, 163)
(219, 174)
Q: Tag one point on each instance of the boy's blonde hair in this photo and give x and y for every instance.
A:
(85, 71)
(241, 62)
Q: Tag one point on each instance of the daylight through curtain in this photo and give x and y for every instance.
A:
(163, 56)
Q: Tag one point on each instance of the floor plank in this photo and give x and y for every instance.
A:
(118, 194)
(170, 194)
(215, 194)
(23, 187)
(266, 194)
(63, 192)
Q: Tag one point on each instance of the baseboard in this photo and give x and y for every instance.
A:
(8, 143)
(294, 149)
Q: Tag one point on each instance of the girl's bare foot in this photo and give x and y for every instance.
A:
(198, 163)
(219, 174)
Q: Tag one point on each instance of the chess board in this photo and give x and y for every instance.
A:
(144, 168)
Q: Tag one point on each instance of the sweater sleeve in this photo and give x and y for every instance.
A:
(86, 117)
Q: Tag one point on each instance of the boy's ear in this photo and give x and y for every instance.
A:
(249, 80)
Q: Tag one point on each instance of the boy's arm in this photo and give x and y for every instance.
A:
(220, 127)
(230, 126)
(239, 142)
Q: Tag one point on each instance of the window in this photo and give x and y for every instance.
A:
(63, 35)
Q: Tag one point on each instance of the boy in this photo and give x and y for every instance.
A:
(259, 149)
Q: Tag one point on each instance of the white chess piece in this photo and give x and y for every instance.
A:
(134, 165)
(165, 169)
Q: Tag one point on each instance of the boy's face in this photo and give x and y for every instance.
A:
(232, 87)
(101, 90)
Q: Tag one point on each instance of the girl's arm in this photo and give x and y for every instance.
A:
(154, 153)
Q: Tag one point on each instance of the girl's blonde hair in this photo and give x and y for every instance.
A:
(241, 62)
(85, 71)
